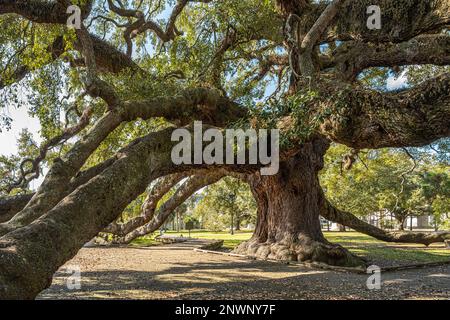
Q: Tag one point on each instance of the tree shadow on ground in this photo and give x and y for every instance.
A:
(249, 280)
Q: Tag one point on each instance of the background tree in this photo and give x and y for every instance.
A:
(386, 182)
(226, 204)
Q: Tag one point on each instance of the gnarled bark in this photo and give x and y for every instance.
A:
(9, 206)
(401, 20)
(288, 226)
(362, 118)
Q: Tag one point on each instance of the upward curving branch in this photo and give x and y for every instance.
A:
(192, 104)
(161, 187)
(159, 216)
(352, 58)
(311, 39)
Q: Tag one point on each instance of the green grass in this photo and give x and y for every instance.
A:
(374, 249)
(229, 241)
(357, 243)
(145, 241)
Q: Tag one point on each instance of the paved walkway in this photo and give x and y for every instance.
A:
(177, 272)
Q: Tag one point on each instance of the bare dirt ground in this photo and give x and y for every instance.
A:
(177, 272)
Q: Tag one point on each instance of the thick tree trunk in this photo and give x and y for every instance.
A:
(238, 224)
(401, 222)
(288, 226)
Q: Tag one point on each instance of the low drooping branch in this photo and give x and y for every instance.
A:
(331, 213)
(63, 169)
(161, 187)
(160, 216)
(362, 118)
(30, 255)
(10, 206)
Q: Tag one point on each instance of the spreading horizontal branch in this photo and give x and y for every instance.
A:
(362, 118)
(347, 219)
(351, 21)
(349, 60)
(12, 205)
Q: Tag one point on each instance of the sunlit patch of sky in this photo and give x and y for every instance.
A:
(395, 83)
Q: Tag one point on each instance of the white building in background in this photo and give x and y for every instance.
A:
(385, 220)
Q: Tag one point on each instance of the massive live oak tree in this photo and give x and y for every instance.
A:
(136, 70)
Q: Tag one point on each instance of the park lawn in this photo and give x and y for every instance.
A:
(374, 249)
(229, 241)
(358, 243)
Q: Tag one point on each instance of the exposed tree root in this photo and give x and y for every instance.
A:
(302, 251)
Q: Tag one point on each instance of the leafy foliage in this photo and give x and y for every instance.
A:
(382, 181)
(226, 205)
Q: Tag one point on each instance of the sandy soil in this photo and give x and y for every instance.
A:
(177, 272)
